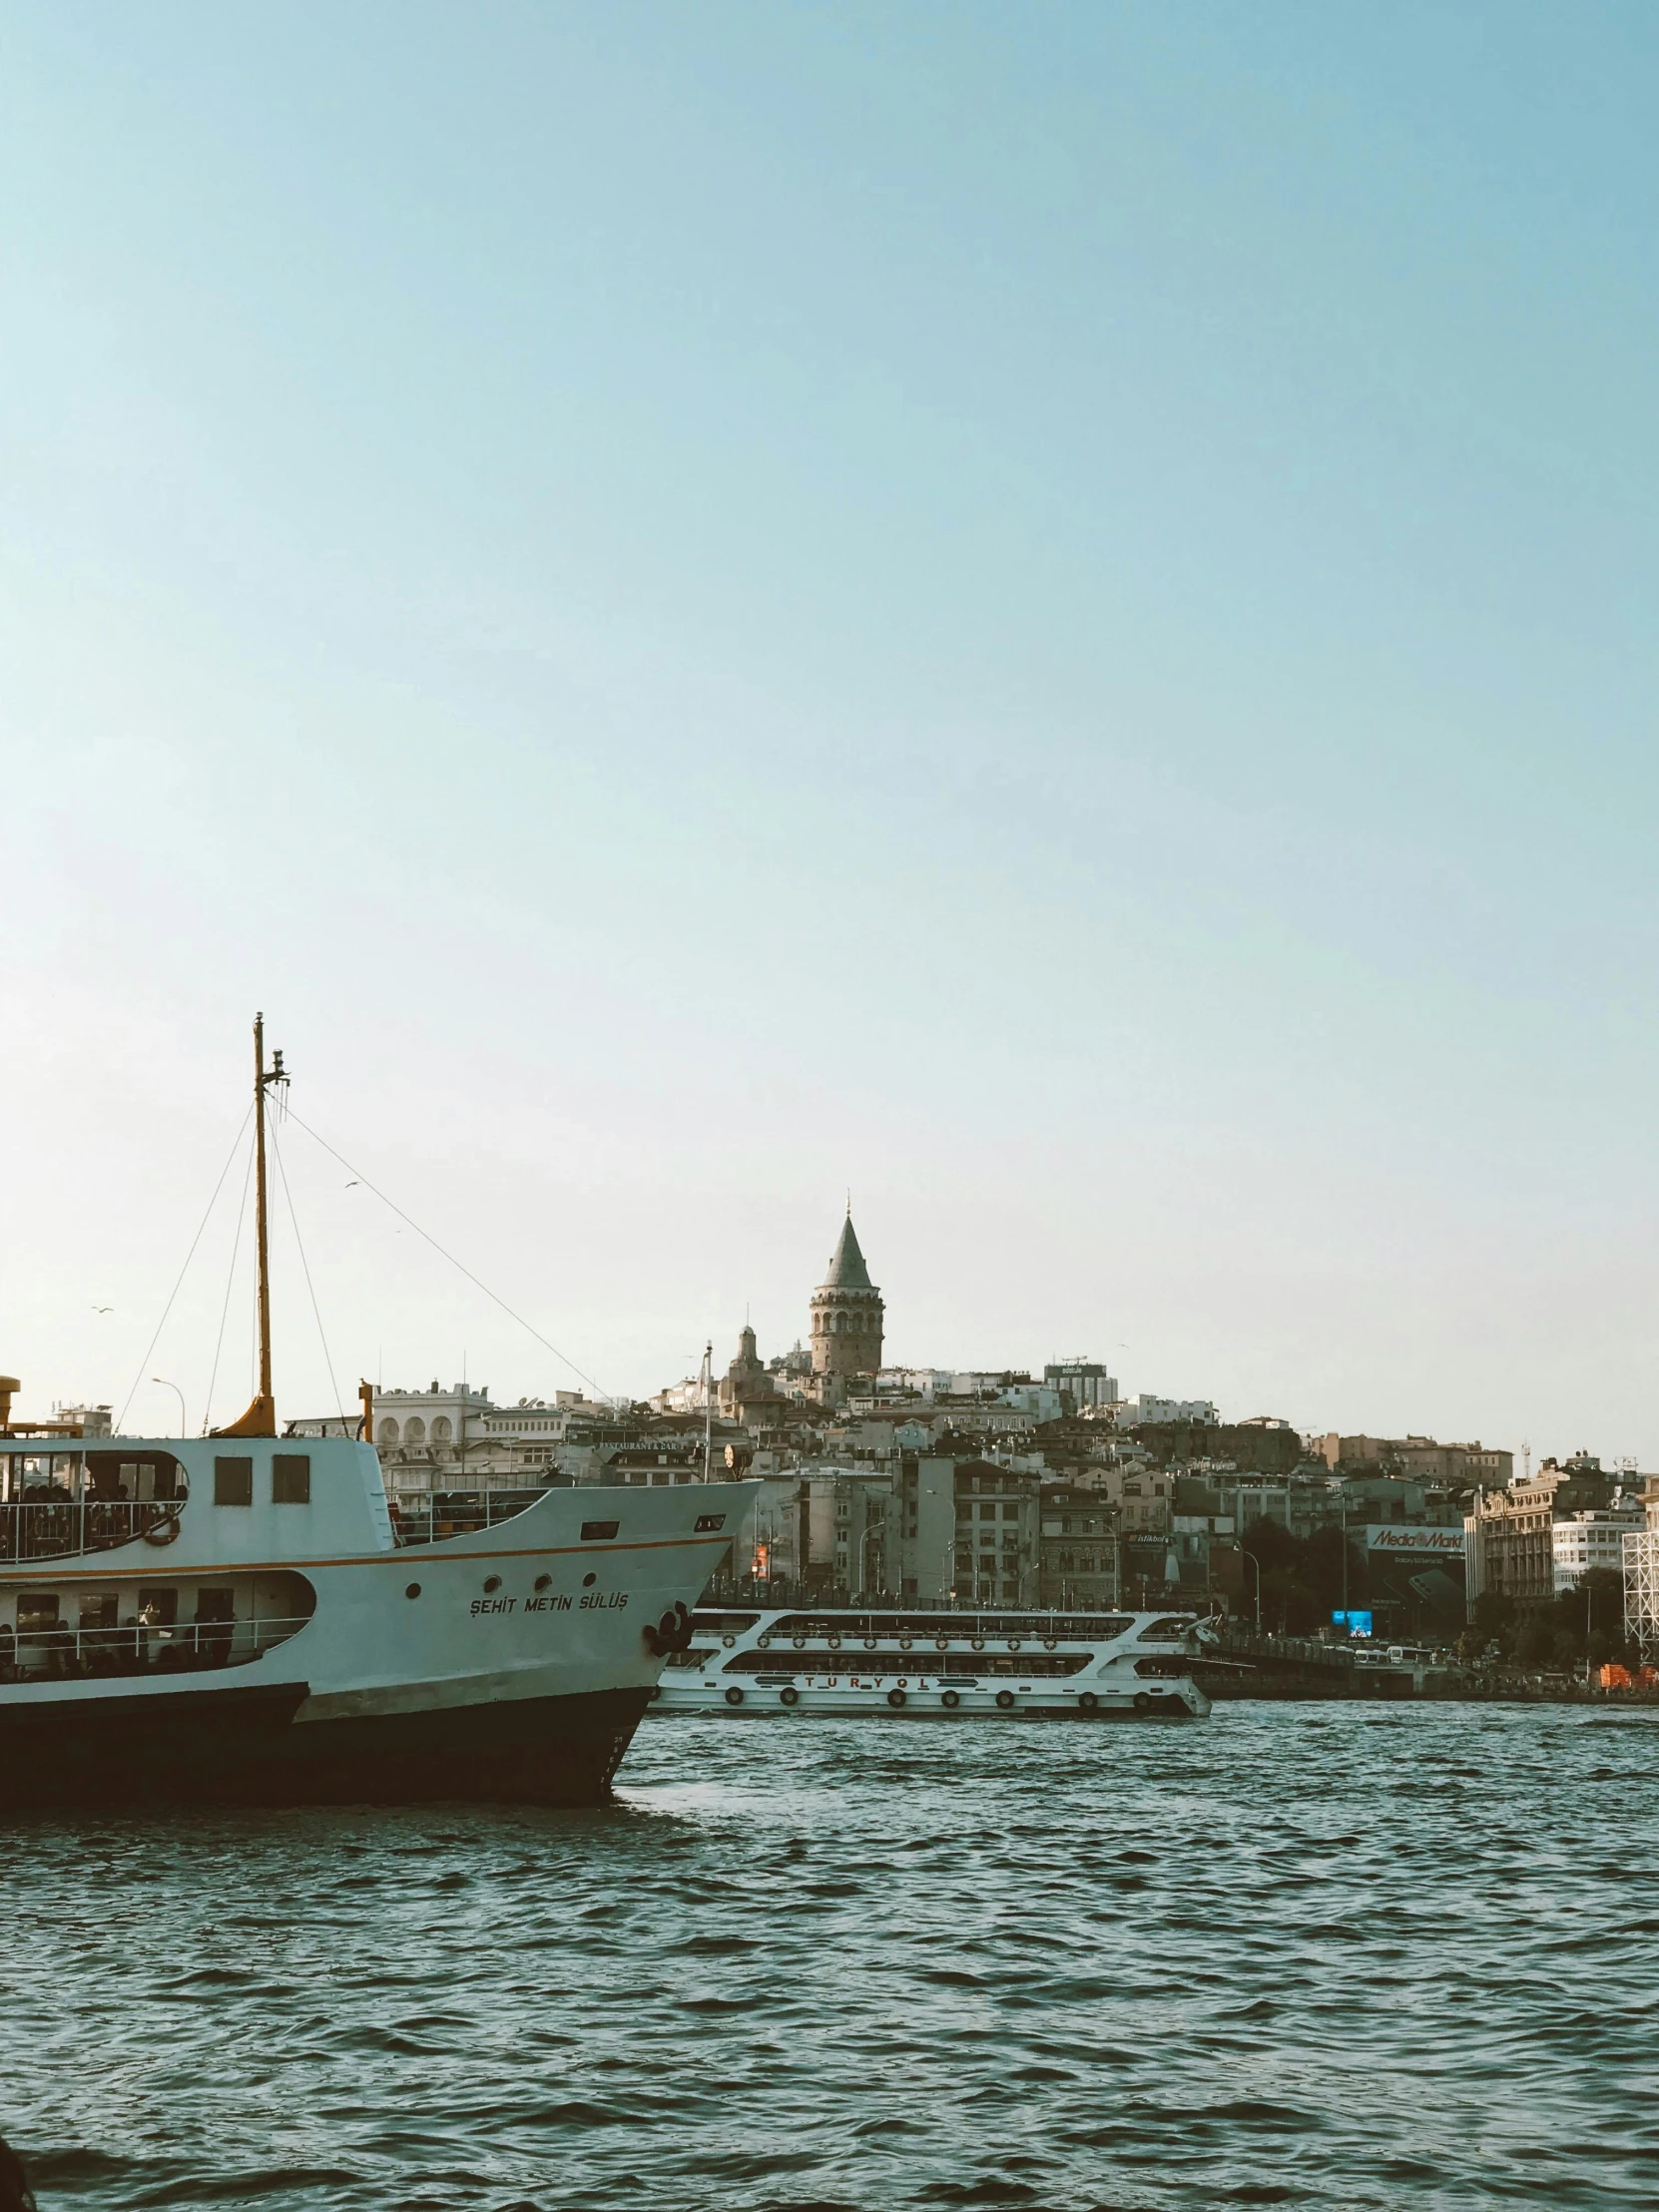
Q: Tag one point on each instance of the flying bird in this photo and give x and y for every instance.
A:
(103, 1309)
(351, 1186)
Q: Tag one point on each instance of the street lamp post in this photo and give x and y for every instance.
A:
(184, 1423)
(1256, 1565)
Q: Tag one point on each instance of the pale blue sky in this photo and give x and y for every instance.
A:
(1042, 612)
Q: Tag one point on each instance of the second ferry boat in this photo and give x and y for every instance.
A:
(939, 1665)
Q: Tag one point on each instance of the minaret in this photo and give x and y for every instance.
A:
(846, 1314)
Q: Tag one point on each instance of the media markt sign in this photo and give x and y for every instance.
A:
(1415, 1544)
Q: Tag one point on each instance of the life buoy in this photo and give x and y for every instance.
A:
(978, 1644)
(1005, 1699)
(734, 1695)
(788, 1697)
(799, 1642)
(163, 1531)
(834, 1643)
(1048, 1643)
(952, 1698)
(728, 1641)
(1087, 1700)
(869, 1644)
(941, 1643)
(1014, 1643)
(1143, 1701)
(905, 1642)
(763, 1643)
(896, 1697)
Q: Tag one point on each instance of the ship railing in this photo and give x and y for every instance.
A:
(427, 1517)
(57, 1652)
(57, 1527)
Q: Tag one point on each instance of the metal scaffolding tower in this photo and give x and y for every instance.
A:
(1641, 1592)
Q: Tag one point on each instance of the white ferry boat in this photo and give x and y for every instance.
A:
(240, 1619)
(939, 1665)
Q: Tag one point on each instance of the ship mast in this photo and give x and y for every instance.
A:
(261, 1417)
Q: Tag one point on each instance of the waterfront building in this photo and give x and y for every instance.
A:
(1509, 1533)
(1594, 1537)
(1080, 1543)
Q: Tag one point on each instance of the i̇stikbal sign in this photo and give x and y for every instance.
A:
(1419, 1543)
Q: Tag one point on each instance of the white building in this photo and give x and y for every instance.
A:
(1164, 1412)
(1085, 1382)
(1594, 1538)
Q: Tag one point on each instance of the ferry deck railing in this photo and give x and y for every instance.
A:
(426, 1518)
(58, 1527)
(59, 1652)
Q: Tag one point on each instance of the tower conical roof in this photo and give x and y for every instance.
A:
(848, 1271)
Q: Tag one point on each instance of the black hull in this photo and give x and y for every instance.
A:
(246, 1747)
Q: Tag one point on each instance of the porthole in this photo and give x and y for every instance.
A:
(544, 1582)
(413, 1590)
(588, 1581)
(493, 1582)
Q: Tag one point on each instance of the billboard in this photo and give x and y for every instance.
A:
(1415, 1544)
(1356, 1624)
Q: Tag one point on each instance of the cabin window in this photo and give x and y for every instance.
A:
(598, 1532)
(100, 1610)
(233, 1481)
(290, 1478)
(37, 1612)
(158, 1608)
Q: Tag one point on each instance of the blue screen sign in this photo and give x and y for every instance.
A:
(1356, 1624)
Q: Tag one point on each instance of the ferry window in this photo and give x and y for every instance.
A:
(37, 1610)
(598, 1532)
(290, 1478)
(233, 1481)
(158, 1608)
(215, 1605)
(100, 1610)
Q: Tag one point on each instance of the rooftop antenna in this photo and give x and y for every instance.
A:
(261, 1416)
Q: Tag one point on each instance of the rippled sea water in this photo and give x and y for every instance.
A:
(1302, 1955)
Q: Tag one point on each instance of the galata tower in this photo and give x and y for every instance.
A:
(846, 1314)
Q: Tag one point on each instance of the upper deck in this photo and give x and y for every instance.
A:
(222, 1501)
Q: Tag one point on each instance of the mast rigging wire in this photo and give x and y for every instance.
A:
(188, 1257)
(316, 1311)
(230, 1284)
(449, 1256)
